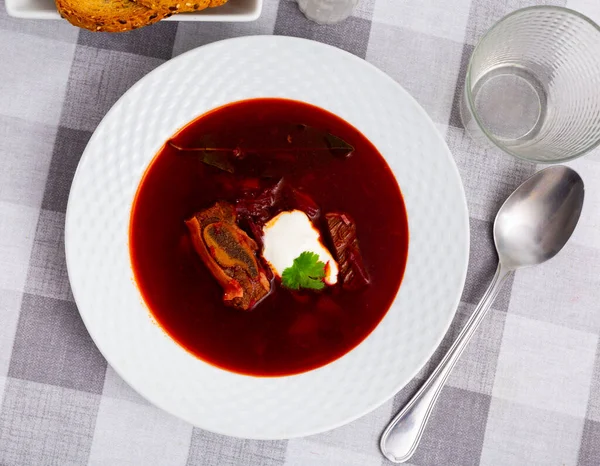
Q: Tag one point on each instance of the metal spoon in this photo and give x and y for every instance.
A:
(532, 225)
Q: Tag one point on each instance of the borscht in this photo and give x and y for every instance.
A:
(268, 237)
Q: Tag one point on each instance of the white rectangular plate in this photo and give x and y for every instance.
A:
(234, 10)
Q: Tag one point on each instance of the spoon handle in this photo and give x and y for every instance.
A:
(401, 437)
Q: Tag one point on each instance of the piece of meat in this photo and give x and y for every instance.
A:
(229, 254)
(342, 231)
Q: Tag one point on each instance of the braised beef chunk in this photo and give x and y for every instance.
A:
(342, 230)
(229, 254)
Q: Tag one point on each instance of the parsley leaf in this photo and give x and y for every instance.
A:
(307, 271)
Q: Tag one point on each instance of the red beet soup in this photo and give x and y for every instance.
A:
(233, 154)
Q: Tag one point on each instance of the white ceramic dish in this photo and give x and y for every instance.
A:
(233, 11)
(98, 258)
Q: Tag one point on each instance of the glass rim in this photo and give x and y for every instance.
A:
(469, 97)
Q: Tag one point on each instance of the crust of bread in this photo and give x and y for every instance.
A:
(109, 16)
(216, 3)
(177, 6)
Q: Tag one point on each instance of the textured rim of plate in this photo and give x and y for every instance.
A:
(84, 281)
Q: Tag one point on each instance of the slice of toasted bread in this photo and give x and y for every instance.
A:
(177, 6)
(108, 15)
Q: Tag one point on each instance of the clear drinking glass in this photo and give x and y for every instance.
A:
(327, 11)
(533, 85)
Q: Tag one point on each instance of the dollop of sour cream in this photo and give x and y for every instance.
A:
(289, 234)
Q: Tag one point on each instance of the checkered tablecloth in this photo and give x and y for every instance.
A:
(527, 390)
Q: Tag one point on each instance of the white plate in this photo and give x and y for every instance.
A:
(234, 10)
(97, 224)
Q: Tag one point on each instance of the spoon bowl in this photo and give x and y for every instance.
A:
(538, 218)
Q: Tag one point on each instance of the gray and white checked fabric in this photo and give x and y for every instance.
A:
(527, 391)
